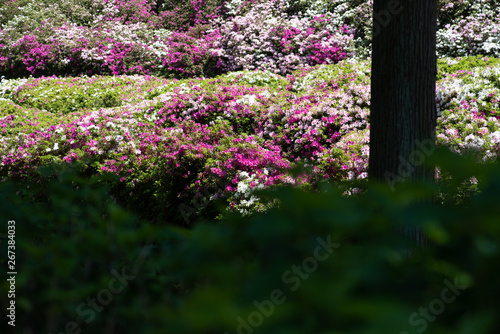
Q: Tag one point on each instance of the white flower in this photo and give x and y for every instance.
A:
(266, 94)
(495, 137)
(242, 187)
(363, 175)
(247, 99)
(472, 141)
(56, 146)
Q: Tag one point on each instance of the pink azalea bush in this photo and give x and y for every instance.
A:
(180, 147)
(174, 143)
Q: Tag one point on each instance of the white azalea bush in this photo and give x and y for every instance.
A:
(469, 27)
(469, 106)
(265, 38)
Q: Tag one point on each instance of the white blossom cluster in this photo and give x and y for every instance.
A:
(252, 40)
(476, 33)
(479, 85)
(245, 199)
(9, 86)
(467, 105)
(473, 142)
(255, 78)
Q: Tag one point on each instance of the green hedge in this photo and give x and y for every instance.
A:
(320, 263)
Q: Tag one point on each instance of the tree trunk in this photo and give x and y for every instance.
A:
(403, 88)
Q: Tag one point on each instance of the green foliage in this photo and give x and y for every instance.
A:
(265, 79)
(320, 263)
(342, 74)
(8, 108)
(65, 95)
(366, 284)
(453, 65)
(19, 120)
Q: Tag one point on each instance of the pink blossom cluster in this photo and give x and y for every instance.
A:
(173, 141)
(138, 37)
(180, 138)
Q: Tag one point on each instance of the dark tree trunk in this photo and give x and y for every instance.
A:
(403, 84)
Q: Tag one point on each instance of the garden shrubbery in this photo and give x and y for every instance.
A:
(207, 38)
(139, 37)
(171, 140)
(201, 167)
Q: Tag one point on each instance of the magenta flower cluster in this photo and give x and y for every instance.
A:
(137, 37)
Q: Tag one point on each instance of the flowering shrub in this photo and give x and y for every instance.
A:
(127, 37)
(183, 15)
(265, 38)
(187, 56)
(215, 132)
(210, 37)
(356, 14)
(469, 27)
(182, 147)
(65, 95)
(469, 105)
(124, 37)
(215, 141)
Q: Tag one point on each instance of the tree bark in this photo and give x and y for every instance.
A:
(403, 88)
